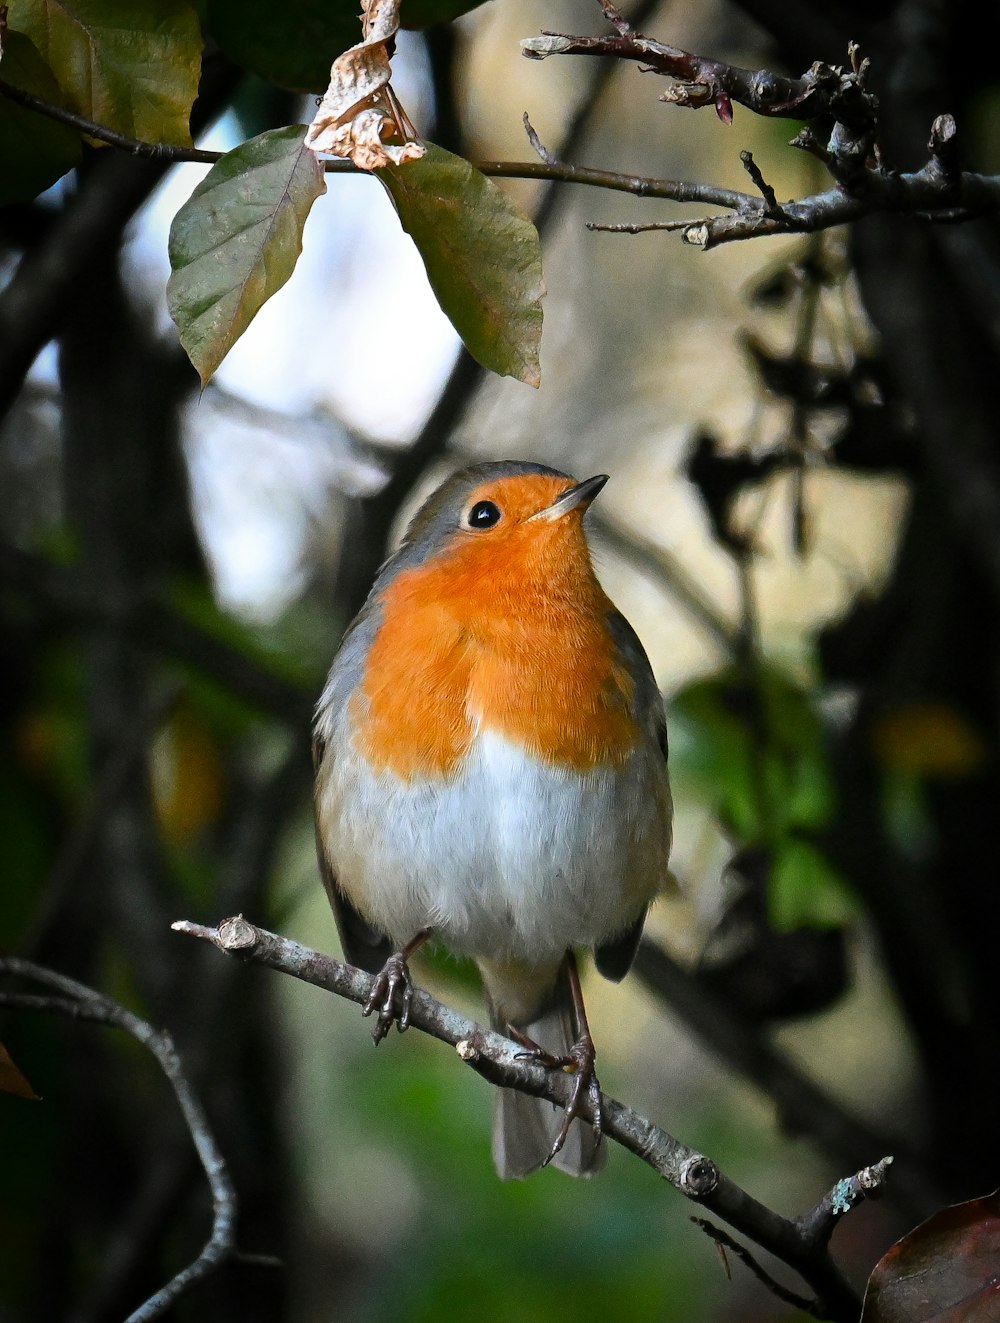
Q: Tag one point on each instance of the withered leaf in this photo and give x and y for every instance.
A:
(359, 117)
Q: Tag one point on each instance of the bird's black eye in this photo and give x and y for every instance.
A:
(484, 514)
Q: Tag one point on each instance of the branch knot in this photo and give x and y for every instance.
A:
(699, 1176)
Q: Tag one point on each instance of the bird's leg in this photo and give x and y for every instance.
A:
(579, 1062)
(392, 991)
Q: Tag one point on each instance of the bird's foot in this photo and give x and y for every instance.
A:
(390, 997)
(580, 1063)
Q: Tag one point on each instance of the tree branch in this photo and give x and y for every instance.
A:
(723, 1242)
(823, 91)
(155, 151)
(80, 1002)
(936, 192)
(801, 1244)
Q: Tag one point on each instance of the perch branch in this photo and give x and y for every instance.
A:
(501, 1062)
(79, 1002)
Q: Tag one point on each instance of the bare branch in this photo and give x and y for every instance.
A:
(925, 193)
(80, 1002)
(501, 1062)
(771, 207)
(725, 1242)
(537, 145)
(818, 1225)
(823, 89)
(154, 151)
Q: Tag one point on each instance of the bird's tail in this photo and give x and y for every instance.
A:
(525, 1127)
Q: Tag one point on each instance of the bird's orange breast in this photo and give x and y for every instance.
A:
(510, 637)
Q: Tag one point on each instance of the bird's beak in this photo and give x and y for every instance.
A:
(572, 499)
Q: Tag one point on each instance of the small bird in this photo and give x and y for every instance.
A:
(490, 752)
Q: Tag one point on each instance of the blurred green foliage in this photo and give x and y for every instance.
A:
(751, 745)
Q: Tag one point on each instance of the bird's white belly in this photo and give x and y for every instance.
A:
(507, 857)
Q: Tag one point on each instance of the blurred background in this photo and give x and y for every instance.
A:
(801, 525)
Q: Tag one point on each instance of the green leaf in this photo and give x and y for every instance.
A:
(292, 44)
(236, 240)
(425, 13)
(755, 750)
(34, 151)
(483, 258)
(805, 890)
(131, 65)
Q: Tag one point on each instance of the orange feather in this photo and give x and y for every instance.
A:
(505, 630)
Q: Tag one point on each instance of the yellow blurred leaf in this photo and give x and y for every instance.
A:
(930, 739)
(188, 777)
(11, 1079)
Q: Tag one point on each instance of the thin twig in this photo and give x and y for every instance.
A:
(868, 1183)
(635, 227)
(154, 151)
(80, 1002)
(724, 1241)
(537, 146)
(771, 205)
(615, 17)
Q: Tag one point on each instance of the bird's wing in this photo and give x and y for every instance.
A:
(614, 959)
(363, 946)
(648, 699)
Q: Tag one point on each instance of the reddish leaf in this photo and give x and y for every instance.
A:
(11, 1079)
(945, 1271)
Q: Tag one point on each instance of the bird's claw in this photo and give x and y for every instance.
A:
(580, 1064)
(390, 997)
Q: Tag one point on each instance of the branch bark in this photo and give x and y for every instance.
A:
(802, 1243)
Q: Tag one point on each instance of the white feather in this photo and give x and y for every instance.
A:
(510, 857)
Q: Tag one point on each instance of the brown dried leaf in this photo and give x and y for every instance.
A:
(11, 1079)
(358, 116)
(360, 139)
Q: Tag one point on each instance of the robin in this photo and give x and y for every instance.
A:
(490, 754)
